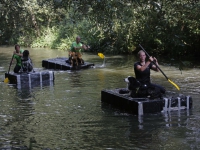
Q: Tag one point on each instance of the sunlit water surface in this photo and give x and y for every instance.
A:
(69, 114)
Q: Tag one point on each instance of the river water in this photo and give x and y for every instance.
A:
(69, 114)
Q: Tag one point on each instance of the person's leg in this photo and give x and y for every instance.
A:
(30, 68)
(162, 89)
(17, 68)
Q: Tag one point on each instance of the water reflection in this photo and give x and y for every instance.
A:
(180, 116)
(75, 79)
(21, 107)
(170, 118)
(69, 113)
(23, 116)
(35, 84)
(154, 131)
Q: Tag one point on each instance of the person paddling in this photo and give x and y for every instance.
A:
(142, 70)
(17, 54)
(75, 51)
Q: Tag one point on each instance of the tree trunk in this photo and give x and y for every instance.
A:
(35, 25)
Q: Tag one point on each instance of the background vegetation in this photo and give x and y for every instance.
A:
(166, 27)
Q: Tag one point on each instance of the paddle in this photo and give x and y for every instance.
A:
(101, 55)
(6, 79)
(162, 71)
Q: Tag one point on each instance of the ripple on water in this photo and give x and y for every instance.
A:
(69, 114)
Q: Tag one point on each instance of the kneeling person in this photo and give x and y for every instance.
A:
(27, 65)
(142, 70)
(75, 52)
(17, 54)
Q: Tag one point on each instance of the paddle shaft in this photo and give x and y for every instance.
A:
(154, 62)
(10, 63)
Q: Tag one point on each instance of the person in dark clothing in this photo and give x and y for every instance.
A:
(142, 70)
(27, 65)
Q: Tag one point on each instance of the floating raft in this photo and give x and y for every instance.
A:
(60, 63)
(140, 106)
(23, 80)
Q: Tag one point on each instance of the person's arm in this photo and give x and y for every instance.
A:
(13, 58)
(154, 67)
(142, 68)
(19, 54)
(76, 47)
(85, 47)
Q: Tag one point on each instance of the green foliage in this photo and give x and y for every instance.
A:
(170, 28)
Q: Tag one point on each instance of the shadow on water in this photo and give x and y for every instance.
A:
(75, 79)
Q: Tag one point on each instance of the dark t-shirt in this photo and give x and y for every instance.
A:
(142, 76)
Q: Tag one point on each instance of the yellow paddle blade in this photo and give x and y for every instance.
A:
(101, 55)
(174, 84)
(6, 80)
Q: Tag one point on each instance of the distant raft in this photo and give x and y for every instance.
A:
(140, 106)
(61, 63)
(31, 79)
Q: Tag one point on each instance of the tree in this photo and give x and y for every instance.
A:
(109, 26)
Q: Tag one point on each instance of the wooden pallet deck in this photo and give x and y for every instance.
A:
(140, 106)
(60, 63)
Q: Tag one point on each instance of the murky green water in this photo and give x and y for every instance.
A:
(69, 114)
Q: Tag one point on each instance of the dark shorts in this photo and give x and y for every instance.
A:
(17, 69)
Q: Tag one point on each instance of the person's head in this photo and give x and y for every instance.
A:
(17, 48)
(25, 53)
(78, 39)
(142, 55)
